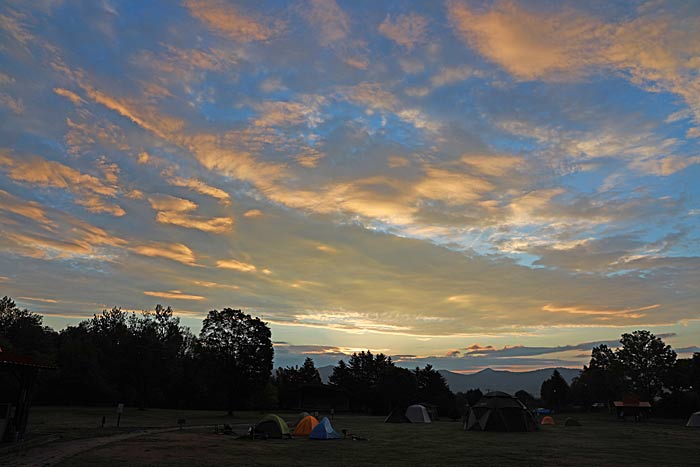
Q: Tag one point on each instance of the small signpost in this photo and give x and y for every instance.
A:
(120, 411)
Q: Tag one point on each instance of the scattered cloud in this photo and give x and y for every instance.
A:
(230, 22)
(173, 251)
(200, 187)
(90, 190)
(236, 265)
(407, 30)
(173, 295)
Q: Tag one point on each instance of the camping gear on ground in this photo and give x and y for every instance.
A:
(305, 426)
(499, 411)
(547, 421)
(324, 430)
(271, 426)
(571, 422)
(694, 420)
(397, 415)
(300, 417)
(417, 414)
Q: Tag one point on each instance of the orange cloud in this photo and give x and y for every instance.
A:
(657, 50)
(530, 45)
(202, 188)
(406, 30)
(174, 295)
(171, 203)
(451, 187)
(228, 21)
(236, 265)
(496, 166)
(68, 238)
(175, 211)
(173, 251)
(89, 190)
(36, 299)
(603, 315)
(29, 209)
(212, 225)
(253, 213)
(70, 95)
(332, 23)
(326, 249)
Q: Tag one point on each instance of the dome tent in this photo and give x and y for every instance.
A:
(498, 411)
(418, 414)
(397, 415)
(547, 421)
(694, 420)
(324, 430)
(305, 426)
(300, 417)
(272, 426)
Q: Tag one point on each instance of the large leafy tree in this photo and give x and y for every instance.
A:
(236, 349)
(601, 380)
(646, 362)
(22, 331)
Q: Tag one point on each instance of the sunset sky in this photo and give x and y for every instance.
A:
(464, 183)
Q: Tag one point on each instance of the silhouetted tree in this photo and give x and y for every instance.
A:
(125, 357)
(601, 380)
(308, 374)
(433, 388)
(290, 379)
(555, 391)
(646, 362)
(396, 388)
(237, 351)
(602, 358)
(22, 331)
(361, 378)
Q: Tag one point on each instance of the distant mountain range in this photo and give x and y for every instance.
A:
(493, 380)
(503, 380)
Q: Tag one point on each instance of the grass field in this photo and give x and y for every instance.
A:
(601, 441)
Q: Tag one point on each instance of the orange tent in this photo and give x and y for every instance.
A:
(305, 426)
(547, 421)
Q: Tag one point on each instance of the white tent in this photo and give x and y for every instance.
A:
(694, 420)
(417, 414)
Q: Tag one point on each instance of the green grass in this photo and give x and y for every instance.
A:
(82, 422)
(601, 441)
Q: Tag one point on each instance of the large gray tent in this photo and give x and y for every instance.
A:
(498, 411)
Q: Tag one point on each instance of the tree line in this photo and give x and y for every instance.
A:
(643, 365)
(147, 360)
(150, 359)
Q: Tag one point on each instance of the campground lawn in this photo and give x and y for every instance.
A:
(601, 441)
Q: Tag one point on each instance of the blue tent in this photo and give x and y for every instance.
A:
(324, 430)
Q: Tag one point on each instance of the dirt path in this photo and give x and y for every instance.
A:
(53, 453)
